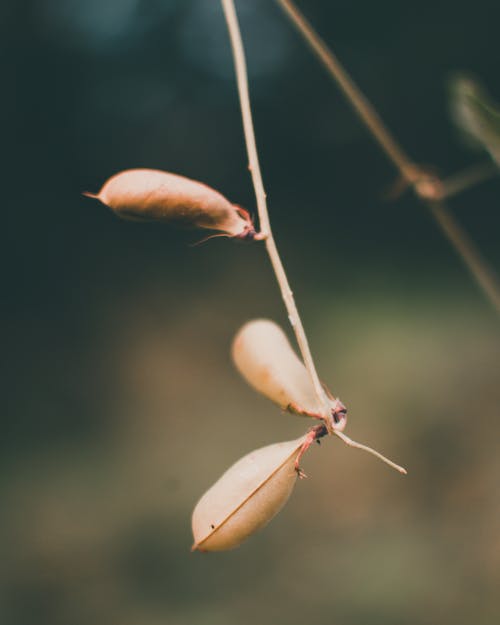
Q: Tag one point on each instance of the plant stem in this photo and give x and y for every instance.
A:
(351, 443)
(463, 180)
(468, 252)
(423, 185)
(352, 92)
(260, 194)
(272, 250)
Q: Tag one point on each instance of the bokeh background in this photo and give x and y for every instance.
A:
(122, 405)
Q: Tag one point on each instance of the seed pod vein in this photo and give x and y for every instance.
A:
(246, 497)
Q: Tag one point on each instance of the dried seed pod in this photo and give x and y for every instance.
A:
(246, 497)
(264, 357)
(150, 194)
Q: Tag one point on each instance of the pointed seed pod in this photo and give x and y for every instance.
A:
(150, 194)
(263, 355)
(247, 496)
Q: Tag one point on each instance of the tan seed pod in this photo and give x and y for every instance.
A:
(246, 497)
(264, 357)
(151, 194)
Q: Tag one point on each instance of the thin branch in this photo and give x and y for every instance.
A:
(293, 314)
(431, 188)
(355, 97)
(467, 250)
(351, 443)
(470, 177)
(426, 187)
(260, 194)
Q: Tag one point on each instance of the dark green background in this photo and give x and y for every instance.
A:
(122, 405)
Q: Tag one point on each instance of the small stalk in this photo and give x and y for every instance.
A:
(265, 226)
(484, 274)
(260, 194)
(468, 178)
(425, 188)
(351, 443)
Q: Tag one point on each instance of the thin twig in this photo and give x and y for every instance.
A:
(355, 97)
(293, 314)
(433, 189)
(470, 177)
(468, 252)
(260, 194)
(351, 443)
(424, 185)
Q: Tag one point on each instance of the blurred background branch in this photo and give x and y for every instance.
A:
(408, 170)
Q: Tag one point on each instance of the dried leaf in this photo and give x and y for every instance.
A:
(246, 497)
(264, 357)
(150, 194)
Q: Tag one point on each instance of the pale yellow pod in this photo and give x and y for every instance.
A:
(151, 194)
(246, 497)
(264, 357)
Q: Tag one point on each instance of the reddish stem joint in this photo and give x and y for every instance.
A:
(314, 434)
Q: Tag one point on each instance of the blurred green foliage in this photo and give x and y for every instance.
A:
(475, 114)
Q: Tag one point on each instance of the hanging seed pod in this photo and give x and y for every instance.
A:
(264, 357)
(150, 194)
(247, 496)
